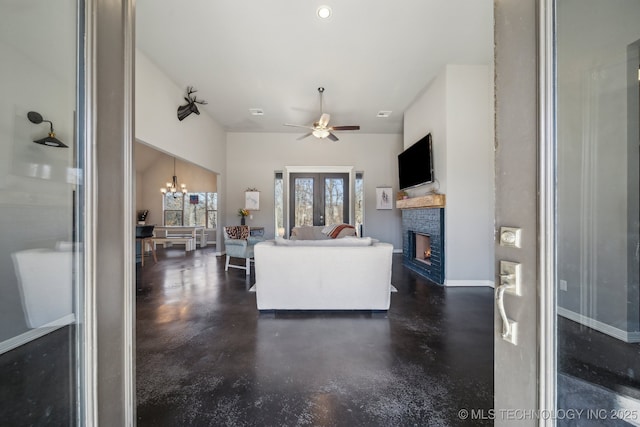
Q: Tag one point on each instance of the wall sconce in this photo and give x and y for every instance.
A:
(50, 140)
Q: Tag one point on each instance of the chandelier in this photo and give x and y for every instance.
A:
(172, 187)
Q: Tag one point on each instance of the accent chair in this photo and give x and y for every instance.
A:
(239, 244)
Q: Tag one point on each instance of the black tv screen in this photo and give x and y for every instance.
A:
(415, 164)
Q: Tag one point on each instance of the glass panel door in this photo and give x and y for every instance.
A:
(319, 199)
(597, 286)
(41, 213)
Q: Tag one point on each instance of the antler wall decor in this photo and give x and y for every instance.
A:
(191, 107)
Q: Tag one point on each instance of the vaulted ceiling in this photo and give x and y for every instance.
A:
(370, 55)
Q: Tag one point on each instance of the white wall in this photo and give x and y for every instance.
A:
(427, 114)
(470, 174)
(252, 159)
(198, 139)
(457, 109)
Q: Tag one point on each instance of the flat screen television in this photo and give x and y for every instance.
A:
(415, 164)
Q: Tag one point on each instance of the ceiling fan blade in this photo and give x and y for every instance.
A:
(344, 128)
(304, 136)
(298, 126)
(332, 137)
(324, 120)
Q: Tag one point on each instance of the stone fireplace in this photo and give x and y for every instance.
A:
(423, 240)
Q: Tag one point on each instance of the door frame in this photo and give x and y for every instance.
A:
(110, 327)
(107, 377)
(288, 170)
(547, 163)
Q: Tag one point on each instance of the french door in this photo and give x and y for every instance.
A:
(318, 198)
(43, 238)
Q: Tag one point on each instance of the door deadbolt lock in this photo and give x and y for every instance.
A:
(510, 237)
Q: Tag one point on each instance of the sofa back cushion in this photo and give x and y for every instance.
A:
(345, 241)
(321, 232)
(307, 232)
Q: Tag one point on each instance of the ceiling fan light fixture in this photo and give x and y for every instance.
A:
(321, 128)
(324, 12)
(320, 133)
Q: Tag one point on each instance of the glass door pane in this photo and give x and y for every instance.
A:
(334, 200)
(598, 295)
(303, 206)
(41, 232)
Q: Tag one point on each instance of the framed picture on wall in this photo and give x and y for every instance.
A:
(383, 198)
(252, 200)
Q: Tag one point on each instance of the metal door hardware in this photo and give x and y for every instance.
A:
(510, 274)
(509, 327)
(510, 237)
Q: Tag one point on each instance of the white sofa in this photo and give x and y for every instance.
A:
(335, 274)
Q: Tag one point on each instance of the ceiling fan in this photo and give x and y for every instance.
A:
(321, 128)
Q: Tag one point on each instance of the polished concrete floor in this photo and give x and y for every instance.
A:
(206, 357)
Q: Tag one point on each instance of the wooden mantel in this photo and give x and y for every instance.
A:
(428, 201)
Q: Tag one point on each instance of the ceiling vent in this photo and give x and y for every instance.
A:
(256, 111)
(383, 113)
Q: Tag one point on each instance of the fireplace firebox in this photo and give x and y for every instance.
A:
(422, 248)
(423, 242)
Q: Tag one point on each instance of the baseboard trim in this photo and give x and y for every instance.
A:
(32, 334)
(473, 283)
(397, 251)
(630, 337)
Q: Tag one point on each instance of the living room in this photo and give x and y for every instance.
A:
(454, 106)
(68, 197)
(241, 158)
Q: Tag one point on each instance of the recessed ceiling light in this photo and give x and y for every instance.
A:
(383, 113)
(324, 12)
(256, 111)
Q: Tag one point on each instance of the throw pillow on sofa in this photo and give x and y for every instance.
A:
(336, 231)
